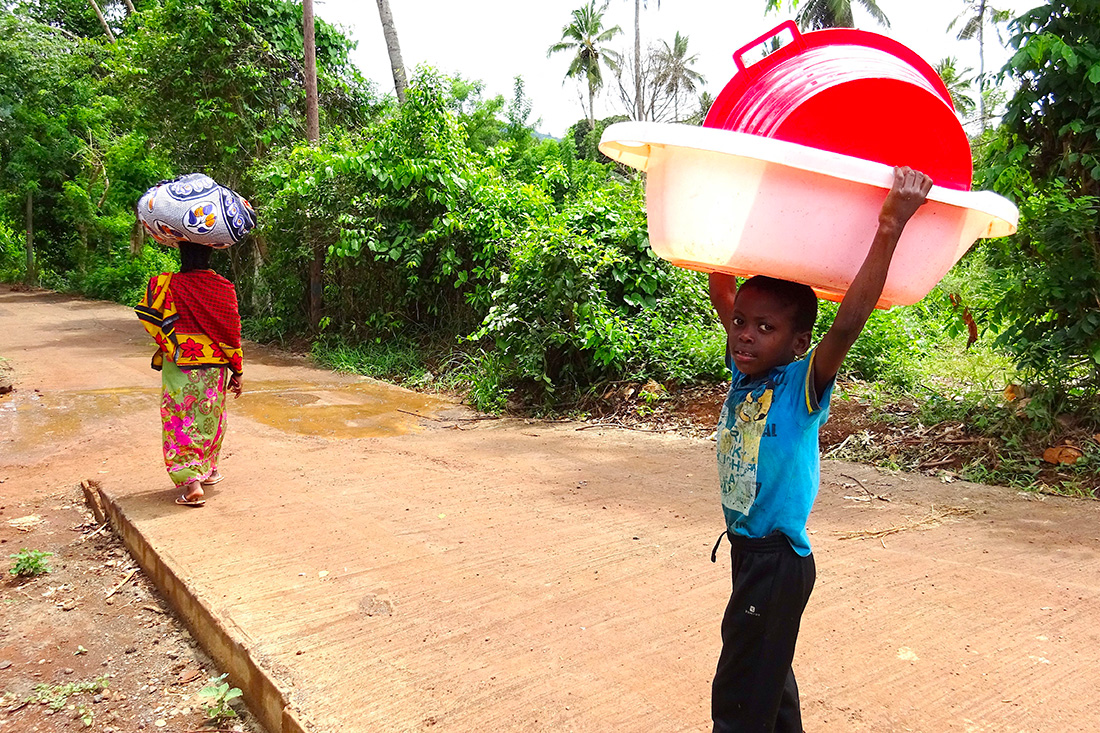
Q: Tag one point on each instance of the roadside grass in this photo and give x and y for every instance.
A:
(965, 415)
(938, 408)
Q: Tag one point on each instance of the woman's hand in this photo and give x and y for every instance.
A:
(235, 385)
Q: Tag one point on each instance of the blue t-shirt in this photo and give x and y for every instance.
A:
(768, 462)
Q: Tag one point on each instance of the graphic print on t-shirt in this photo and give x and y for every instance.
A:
(739, 449)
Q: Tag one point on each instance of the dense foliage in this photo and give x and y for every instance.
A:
(1046, 280)
(454, 240)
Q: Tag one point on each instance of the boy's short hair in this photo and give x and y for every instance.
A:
(801, 298)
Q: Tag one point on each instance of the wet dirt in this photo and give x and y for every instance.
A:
(32, 421)
(338, 411)
(510, 575)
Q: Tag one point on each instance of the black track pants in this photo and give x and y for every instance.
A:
(754, 688)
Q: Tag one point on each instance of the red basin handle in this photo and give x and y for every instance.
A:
(787, 25)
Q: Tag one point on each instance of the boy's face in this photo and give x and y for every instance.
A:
(763, 335)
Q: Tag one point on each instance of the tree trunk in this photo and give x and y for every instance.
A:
(313, 135)
(129, 7)
(313, 124)
(389, 31)
(981, 64)
(591, 107)
(31, 275)
(137, 238)
(639, 103)
(102, 21)
(316, 287)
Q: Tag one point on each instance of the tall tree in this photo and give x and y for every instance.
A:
(102, 21)
(389, 31)
(675, 73)
(978, 15)
(639, 105)
(309, 43)
(585, 38)
(313, 136)
(819, 14)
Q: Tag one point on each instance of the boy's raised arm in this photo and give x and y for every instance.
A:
(906, 196)
(723, 290)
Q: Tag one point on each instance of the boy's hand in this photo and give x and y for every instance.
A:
(909, 191)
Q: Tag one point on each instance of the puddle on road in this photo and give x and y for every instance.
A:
(30, 420)
(37, 420)
(360, 410)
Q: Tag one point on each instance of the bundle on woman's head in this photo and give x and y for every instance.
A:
(194, 208)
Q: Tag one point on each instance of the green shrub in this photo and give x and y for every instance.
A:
(29, 563)
(13, 254)
(887, 349)
(123, 278)
(1048, 282)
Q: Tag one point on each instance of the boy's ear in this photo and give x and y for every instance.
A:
(802, 342)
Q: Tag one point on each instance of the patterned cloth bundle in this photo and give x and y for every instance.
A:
(195, 208)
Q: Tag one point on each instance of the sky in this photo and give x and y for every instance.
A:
(495, 40)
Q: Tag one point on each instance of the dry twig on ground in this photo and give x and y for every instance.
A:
(933, 518)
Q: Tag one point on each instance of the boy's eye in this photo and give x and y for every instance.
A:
(738, 321)
(767, 327)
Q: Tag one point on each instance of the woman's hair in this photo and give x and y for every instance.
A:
(194, 256)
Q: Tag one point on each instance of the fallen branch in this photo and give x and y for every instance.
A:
(934, 464)
(869, 492)
(125, 580)
(620, 426)
(417, 414)
(934, 517)
(838, 448)
(96, 531)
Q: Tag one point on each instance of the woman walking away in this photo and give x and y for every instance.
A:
(192, 315)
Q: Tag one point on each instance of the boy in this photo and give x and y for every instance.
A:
(768, 465)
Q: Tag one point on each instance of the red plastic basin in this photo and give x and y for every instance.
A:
(849, 92)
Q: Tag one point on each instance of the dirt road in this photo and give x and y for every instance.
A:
(397, 573)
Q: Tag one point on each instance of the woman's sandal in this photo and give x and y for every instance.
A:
(213, 480)
(182, 500)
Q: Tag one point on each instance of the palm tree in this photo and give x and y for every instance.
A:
(585, 37)
(675, 74)
(983, 14)
(819, 14)
(389, 31)
(958, 83)
(639, 101)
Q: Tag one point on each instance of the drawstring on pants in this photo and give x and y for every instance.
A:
(714, 552)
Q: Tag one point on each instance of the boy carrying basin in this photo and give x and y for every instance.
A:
(768, 464)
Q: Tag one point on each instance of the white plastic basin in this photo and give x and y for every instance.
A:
(748, 205)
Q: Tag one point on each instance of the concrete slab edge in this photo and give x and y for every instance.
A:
(226, 645)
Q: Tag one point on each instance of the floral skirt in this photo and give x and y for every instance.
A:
(192, 413)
